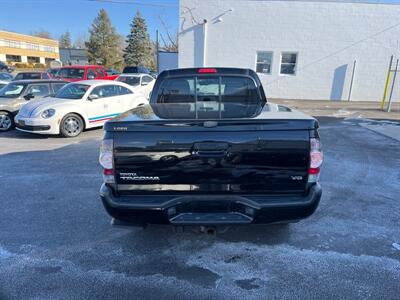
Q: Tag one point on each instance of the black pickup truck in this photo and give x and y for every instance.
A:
(210, 150)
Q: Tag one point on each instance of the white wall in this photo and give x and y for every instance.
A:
(167, 61)
(328, 37)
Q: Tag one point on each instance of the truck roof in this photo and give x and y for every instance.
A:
(26, 81)
(209, 71)
(81, 67)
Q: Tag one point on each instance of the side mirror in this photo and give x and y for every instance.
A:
(92, 97)
(145, 83)
(29, 96)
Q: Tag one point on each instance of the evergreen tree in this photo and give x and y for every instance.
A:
(138, 49)
(102, 46)
(65, 40)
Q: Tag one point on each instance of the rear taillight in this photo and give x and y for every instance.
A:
(316, 158)
(107, 161)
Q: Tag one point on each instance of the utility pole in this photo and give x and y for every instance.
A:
(157, 54)
(393, 83)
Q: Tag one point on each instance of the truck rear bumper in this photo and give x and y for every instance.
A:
(210, 209)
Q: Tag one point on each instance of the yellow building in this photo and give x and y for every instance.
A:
(15, 47)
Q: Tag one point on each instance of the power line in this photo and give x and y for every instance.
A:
(137, 2)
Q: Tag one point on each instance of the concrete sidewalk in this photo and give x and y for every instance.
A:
(343, 109)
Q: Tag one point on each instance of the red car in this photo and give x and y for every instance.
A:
(76, 73)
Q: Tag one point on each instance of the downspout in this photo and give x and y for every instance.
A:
(204, 43)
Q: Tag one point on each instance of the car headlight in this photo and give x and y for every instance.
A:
(48, 113)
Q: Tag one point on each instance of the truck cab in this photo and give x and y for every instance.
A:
(77, 73)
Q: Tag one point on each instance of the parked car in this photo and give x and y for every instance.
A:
(135, 70)
(210, 150)
(3, 84)
(32, 75)
(143, 83)
(6, 68)
(153, 74)
(6, 76)
(77, 73)
(17, 93)
(112, 72)
(78, 106)
(53, 72)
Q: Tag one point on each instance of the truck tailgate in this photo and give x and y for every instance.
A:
(214, 161)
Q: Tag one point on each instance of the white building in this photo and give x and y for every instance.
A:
(301, 49)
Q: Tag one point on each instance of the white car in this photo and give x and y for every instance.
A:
(78, 106)
(143, 83)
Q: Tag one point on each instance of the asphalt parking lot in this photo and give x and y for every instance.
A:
(56, 241)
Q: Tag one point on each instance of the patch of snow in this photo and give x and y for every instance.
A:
(396, 246)
(343, 113)
(4, 253)
(246, 261)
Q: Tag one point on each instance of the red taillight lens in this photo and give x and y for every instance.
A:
(313, 171)
(107, 161)
(108, 172)
(207, 71)
(316, 159)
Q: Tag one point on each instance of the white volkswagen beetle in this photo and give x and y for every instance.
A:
(78, 106)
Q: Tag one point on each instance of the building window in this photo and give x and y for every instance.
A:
(12, 44)
(33, 60)
(264, 62)
(288, 63)
(48, 49)
(48, 61)
(13, 58)
(32, 46)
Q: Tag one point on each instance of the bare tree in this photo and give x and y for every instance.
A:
(42, 34)
(169, 40)
(80, 40)
(65, 40)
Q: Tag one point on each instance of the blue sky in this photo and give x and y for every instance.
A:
(58, 16)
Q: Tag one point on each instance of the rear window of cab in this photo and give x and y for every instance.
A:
(191, 89)
(71, 73)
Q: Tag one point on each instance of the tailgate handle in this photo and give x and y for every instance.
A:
(210, 149)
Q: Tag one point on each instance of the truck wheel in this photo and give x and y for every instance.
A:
(71, 126)
(6, 121)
